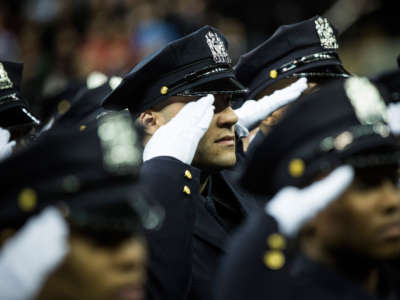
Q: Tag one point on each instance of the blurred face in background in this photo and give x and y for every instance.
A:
(92, 271)
(366, 220)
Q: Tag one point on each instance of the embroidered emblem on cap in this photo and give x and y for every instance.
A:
(326, 34)
(217, 48)
(120, 144)
(5, 82)
(366, 100)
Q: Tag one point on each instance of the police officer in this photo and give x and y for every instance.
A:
(307, 49)
(193, 141)
(346, 225)
(75, 218)
(86, 106)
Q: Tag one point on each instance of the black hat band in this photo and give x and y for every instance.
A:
(9, 98)
(351, 135)
(204, 72)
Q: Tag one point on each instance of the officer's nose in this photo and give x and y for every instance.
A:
(227, 117)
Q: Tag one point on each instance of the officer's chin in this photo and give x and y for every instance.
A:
(218, 163)
(226, 162)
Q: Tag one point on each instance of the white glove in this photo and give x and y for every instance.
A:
(32, 254)
(181, 135)
(393, 112)
(6, 146)
(293, 207)
(241, 131)
(253, 112)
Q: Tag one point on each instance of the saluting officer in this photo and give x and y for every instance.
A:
(307, 49)
(345, 221)
(190, 141)
(72, 226)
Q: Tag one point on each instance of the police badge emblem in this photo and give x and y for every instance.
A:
(5, 82)
(326, 34)
(120, 144)
(217, 48)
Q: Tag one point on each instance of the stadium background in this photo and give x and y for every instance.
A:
(61, 41)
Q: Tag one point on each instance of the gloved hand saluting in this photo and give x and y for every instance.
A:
(181, 135)
(28, 258)
(253, 112)
(293, 207)
(5, 145)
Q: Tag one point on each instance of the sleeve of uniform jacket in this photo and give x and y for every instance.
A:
(172, 184)
(253, 268)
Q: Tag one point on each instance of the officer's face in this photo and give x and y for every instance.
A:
(94, 272)
(216, 149)
(365, 220)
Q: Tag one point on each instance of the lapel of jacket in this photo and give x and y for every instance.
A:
(247, 201)
(207, 227)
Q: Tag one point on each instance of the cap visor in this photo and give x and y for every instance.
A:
(322, 69)
(15, 115)
(219, 83)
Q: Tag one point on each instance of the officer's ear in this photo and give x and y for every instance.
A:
(149, 119)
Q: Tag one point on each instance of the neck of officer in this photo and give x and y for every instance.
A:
(359, 269)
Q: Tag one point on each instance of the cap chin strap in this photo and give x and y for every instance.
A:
(309, 59)
(321, 74)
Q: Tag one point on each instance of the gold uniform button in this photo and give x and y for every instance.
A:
(296, 167)
(274, 259)
(63, 106)
(186, 190)
(82, 127)
(27, 199)
(273, 74)
(164, 90)
(276, 241)
(188, 175)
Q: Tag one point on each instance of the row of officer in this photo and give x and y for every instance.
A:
(191, 137)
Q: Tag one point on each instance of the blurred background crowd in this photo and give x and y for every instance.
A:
(62, 41)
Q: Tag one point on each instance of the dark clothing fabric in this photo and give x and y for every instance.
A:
(170, 247)
(215, 222)
(222, 203)
(185, 254)
(245, 273)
